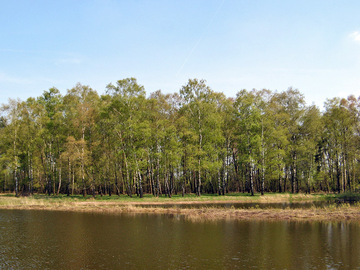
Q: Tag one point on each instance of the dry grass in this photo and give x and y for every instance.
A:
(330, 213)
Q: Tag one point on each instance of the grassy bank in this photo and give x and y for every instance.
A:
(148, 198)
(124, 204)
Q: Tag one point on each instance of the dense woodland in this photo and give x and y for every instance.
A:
(193, 141)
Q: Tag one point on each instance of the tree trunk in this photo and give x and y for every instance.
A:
(54, 176)
(157, 177)
(338, 175)
(251, 180)
(286, 177)
(293, 176)
(127, 176)
(224, 176)
(16, 184)
(59, 187)
(140, 178)
(31, 178)
(168, 191)
(345, 176)
(219, 183)
(69, 179)
(198, 187)
(262, 159)
(73, 183)
(183, 183)
(198, 190)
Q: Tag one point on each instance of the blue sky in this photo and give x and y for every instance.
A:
(313, 46)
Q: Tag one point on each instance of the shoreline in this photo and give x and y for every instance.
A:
(331, 212)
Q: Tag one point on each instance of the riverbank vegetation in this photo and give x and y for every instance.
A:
(179, 199)
(190, 142)
(196, 208)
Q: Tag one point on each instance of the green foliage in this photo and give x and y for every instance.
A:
(193, 141)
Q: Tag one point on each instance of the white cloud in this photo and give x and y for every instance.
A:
(355, 36)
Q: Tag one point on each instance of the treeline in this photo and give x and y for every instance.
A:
(194, 141)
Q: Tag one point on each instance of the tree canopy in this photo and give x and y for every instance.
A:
(194, 141)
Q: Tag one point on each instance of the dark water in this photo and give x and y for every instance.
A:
(61, 240)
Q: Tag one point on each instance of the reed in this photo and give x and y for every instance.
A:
(331, 212)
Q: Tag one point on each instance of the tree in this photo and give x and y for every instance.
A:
(81, 103)
(51, 120)
(249, 134)
(310, 131)
(12, 151)
(128, 105)
(291, 105)
(340, 122)
(201, 112)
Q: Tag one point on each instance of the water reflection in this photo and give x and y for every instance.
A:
(58, 240)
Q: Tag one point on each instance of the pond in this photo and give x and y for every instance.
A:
(69, 240)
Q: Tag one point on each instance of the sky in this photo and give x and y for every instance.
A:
(313, 46)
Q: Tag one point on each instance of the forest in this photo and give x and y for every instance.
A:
(193, 141)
